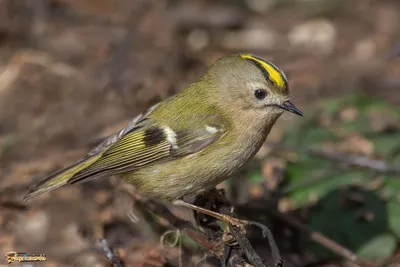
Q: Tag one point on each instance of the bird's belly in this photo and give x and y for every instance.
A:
(189, 175)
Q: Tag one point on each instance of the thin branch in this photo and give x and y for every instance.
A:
(354, 160)
(274, 247)
(12, 205)
(245, 243)
(113, 258)
(246, 246)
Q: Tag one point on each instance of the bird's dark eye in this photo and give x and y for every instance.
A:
(260, 94)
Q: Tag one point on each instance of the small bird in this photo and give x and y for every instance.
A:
(194, 140)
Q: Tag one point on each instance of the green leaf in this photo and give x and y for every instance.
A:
(316, 137)
(379, 247)
(341, 219)
(314, 177)
(390, 188)
(393, 210)
(359, 125)
(384, 143)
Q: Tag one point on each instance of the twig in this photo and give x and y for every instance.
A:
(199, 237)
(274, 248)
(246, 246)
(232, 258)
(114, 259)
(11, 205)
(359, 161)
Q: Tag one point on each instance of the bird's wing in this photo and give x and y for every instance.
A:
(141, 142)
(132, 126)
(150, 142)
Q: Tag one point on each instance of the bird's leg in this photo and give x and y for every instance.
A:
(222, 217)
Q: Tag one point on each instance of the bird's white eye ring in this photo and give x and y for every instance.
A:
(260, 94)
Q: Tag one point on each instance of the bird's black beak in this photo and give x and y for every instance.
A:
(288, 106)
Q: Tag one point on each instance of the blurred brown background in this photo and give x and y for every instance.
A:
(74, 71)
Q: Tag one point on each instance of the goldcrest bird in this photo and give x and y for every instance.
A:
(193, 140)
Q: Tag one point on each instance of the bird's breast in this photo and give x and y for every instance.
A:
(197, 172)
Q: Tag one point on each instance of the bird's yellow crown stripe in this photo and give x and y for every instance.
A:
(274, 75)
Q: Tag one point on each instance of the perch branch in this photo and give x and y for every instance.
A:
(246, 246)
(216, 247)
(244, 242)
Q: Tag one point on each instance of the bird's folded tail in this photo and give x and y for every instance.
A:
(60, 178)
